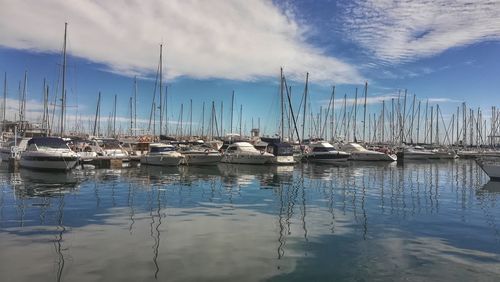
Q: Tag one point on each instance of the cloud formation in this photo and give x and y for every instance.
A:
(241, 40)
(399, 31)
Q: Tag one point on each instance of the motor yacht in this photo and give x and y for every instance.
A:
(200, 155)
(416, 153)
(282, 152)
(161, 154)
(360, 153)
(48, 153)
(324, 152)
(245, 153)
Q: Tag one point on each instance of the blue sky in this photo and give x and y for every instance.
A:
(445, 51)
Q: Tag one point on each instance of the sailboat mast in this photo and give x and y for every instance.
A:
(355, 114)
(241, 116)
(221, 119)
(190, 117)
(166, 110)
(232, 110)
(114, 118)
(4, 101)
(282, 133)
(305, 103)
(63, 97)
(135, 105)
(131, 105)
(22, 109)
(364, 115)
(383, 122)
(161, 89)
(97, 116)
(203, 119)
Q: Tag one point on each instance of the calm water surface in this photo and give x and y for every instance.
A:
(419, 221)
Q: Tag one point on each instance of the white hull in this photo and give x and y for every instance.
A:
(445, 156)
(48, 165)
(327, 161)
(202, 158)
(418, 156)
(326, 157)
(164, 160)
(283, 160)
(246, 159)
(51, 160)
(87, 156)
(371, 156)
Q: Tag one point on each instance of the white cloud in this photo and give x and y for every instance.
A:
(442, 100)
(242, 40)
(369, 100)
(396, 31)
(378, 99)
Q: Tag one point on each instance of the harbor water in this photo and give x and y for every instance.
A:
(416, 221)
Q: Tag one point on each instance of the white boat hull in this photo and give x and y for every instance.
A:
(418, 156)
(165, 160)
(445, 155)
(283, 160)
(246, 159)
(326, 157)
(43, 161)
(372, 156)
(202, 158)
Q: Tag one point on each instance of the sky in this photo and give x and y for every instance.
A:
(444, 52)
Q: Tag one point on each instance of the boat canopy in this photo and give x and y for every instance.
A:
(353, 147)
(281, 149)
(50, 142)
(242, 146)
(159, 148)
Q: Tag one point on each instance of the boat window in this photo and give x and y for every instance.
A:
(111, 144)
(285, 151)
(161, 149)
(323, 149)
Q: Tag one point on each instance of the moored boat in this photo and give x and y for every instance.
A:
(416, 153)
(359, 153)
(245, 153)
(162, 155)
(324, 152)
(48, 153)
(200, 155)
(282, 152)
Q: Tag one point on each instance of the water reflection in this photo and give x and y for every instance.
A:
(244, 222)
(29, 183)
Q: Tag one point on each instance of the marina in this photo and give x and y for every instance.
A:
(263, 140)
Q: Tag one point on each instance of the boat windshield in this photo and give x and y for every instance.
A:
(161, 149)
(285, 151)
(323, 149)
(49, 142)
(111, 144)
